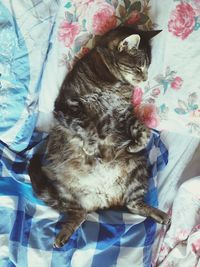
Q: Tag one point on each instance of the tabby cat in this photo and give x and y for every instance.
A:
(95, 155)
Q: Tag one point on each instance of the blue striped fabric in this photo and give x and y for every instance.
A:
(28, 227)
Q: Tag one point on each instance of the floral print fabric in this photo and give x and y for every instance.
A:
(173, 85)
(83, 21)
(170, 99)
(79, 24)
(182, 20)
(180, 244)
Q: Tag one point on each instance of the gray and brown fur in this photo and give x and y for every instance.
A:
(95, 153)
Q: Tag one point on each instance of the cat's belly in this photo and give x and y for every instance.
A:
(102, 187)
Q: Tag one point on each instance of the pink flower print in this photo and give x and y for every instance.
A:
(177, 83)
(164, 251)
(101, 18)
(182, 20)
(196, 247)
(84, 50)
(156, 92)
(67, 32)
(137, 96)
(146, 113)
(133, 17)
(181, 235)
(196, 227)
(196, 6)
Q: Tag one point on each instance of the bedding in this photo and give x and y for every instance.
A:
(40, 40)
(172, 93)
(107, 238)
(22, 57)
(170, 99)
(177, 179)
(78, 26)
(181, 243)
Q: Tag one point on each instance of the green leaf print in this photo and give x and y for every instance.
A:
(180, 111)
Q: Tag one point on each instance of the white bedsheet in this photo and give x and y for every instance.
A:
(181, 243)
(183, 165)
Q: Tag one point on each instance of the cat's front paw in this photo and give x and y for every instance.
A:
(139, 142)
(135, 148)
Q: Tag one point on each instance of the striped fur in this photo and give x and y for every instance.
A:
(95, 154)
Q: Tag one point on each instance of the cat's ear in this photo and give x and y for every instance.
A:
(129, 42)
(149, 34)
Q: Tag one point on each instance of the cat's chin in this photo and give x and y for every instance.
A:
(137, 82)
(142, 80)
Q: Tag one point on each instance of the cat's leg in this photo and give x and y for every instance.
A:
(140, 136)
(134, 196)
(145, 210)
(74, 220)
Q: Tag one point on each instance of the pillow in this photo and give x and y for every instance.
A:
(170, 99)
(78, 23)
(22, 55)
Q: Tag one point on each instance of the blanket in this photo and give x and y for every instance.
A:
(23, 55)
(108, 238)
(180, 245)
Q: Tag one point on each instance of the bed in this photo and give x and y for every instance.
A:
(40, 40)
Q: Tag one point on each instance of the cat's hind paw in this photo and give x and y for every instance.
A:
(61, 239)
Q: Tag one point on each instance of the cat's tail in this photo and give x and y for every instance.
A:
(42, 185)
(37, 176)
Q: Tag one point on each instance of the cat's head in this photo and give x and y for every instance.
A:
(130, 51)
(133, 62)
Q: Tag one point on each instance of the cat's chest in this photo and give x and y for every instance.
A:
(103, 186)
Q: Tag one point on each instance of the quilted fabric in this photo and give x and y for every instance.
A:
(22, 57)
